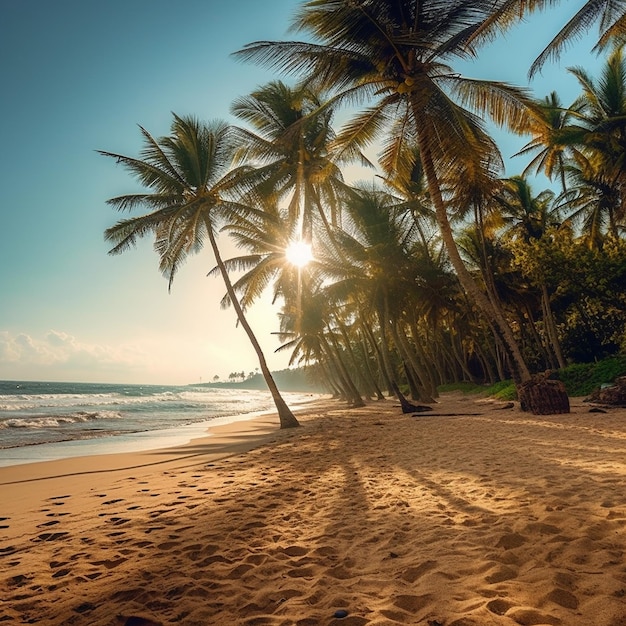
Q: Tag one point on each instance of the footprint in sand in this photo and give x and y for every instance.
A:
(62, 572)
(499, 606)
(412, 574)
(563, 598)
(501, 574)
(511, 541)
(109, 563)
(526, 615)
(412, 604)
(19, 580)
(134, 620)
(119, 533)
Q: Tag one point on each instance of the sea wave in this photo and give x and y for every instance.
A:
(48, 421)
(46, 401)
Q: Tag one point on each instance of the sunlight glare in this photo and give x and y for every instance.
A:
(299, 253)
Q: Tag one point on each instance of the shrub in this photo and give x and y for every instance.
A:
(582, 378)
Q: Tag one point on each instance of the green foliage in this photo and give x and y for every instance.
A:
(503, 390)
(586, 286)
(581, 379)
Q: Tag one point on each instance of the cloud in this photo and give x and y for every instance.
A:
(58, 355)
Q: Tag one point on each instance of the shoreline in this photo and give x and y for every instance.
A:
(131, 442)
(26, 485)
(475, 515)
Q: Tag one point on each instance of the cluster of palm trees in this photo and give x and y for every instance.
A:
(437, 269)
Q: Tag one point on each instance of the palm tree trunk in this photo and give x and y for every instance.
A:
(369, 334)
(286, 417)
(355, 397)
(551, 326)
(408, 355)
(491, 312)
(368, 368)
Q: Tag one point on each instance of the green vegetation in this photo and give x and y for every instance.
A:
(579, 379)
(503, 390)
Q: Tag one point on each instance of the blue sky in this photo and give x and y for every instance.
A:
(80, 75)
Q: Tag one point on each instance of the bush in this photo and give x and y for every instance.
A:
(582, 378)
(579, 379)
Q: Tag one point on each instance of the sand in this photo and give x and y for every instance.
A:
(475, 515)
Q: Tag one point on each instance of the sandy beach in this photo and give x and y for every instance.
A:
(474, 515)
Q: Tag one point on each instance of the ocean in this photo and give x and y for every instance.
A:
(50, 420)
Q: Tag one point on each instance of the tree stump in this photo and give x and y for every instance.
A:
(542, 396)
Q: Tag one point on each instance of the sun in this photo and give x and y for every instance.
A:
(299, 253)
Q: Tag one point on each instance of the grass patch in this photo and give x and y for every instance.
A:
(503, 390)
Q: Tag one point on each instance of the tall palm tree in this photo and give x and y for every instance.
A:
(376, 272)
(396, 54)
(189, 180)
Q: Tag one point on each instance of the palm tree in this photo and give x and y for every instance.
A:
(396, 53)
(602, 107)
(590, 201)
(265, 233)
(554, 138)
(189, 180)
(290, 146)
(608, 14)
(375, 273)
(527, 217)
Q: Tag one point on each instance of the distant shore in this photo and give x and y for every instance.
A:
(294, 380)
(475, 514)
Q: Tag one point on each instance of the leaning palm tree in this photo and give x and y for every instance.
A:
(190, 181)
(396, 54)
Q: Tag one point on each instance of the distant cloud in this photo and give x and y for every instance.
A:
(59, 355)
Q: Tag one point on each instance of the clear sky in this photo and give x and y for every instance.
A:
(80, 75)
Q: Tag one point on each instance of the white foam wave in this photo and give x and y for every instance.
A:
(58, 420)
